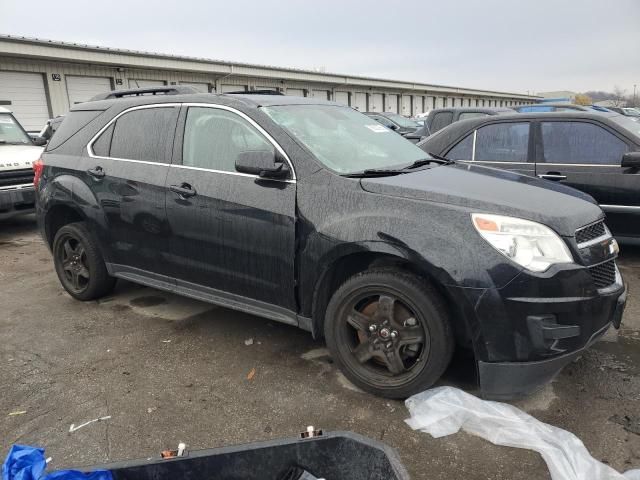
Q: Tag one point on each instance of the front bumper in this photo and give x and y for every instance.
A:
(524, 333)
(17, 201)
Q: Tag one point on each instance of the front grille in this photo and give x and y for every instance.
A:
(590, 232)
(604, 274)
(16, 177)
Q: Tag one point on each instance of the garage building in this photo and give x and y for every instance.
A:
(40, 79)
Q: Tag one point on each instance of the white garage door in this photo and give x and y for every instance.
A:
(375, 104)
(417, 105)
(138, 83)
(391, 104)
(81, 89)
(295, 92)
(199, 86)
(232, 88)
(406, 105)
(360, 101)
(342, 97)
(323, 94)
(24, 95)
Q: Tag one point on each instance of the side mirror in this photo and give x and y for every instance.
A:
(631, 160)
(261, 163)
(39, 141)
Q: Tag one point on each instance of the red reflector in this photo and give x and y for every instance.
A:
(38, 168)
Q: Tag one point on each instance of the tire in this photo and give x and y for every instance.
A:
(389, 332)
(79, 263)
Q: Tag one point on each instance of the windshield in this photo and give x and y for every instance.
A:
(402, 121)
(631, 112)
(11, 133)
(343, 139)
(628, 124)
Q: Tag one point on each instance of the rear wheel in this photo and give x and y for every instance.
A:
(389, 332)
(79, 263)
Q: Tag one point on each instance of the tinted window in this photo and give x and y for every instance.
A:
(145, 134)
(503, 142)
(71, 124)
(579, 142)
(103, 143)
(441, 120)
(466, 115)
(463, 150)
(213, 138)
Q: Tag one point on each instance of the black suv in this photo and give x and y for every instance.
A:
(598, 153)
(302, 211)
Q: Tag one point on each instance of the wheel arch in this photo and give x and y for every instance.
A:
(58, 216)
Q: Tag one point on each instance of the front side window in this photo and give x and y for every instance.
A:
(213, 139)
(441, 120)
(580, 142)
(502, 142)
(145, 134)
(11, 133)
(344, 140)
(402, 121)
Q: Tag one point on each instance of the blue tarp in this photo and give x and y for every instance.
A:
(28, 463)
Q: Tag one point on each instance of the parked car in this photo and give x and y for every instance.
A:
(632, 113)
(303, 212)
(17, 154)
(595, 153)
(441, 117)
(394, 121)
(560, 107)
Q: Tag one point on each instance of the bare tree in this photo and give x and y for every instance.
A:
(619, 97)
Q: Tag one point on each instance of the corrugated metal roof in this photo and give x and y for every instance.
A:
(108, 50)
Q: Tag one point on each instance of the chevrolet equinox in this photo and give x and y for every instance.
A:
(312, 214)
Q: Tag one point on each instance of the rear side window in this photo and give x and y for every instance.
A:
(145, 134)
(465, 115)
(463, 150)
(213, 139)
(503, 142)
(441, 120)
(102, 145)
(580, 142)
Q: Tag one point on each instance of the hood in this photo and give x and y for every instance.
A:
(14, 157)
(489, 190)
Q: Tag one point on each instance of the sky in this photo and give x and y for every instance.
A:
(506, 45)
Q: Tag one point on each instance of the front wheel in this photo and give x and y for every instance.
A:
(389, 332)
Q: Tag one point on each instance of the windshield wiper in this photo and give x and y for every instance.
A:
(443, 160)
(376, 172)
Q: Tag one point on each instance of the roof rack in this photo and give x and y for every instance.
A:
(255, 92)
(136, 92)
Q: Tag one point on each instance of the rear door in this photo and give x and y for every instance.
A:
(126, 170)
(233, 234)
(586, 155)
(505, 145)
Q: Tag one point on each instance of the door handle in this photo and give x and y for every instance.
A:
(553, 176)
(184, 190)
(96, 172)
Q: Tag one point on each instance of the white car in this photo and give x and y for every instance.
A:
(18, 151)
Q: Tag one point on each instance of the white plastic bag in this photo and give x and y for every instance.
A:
(444, 410)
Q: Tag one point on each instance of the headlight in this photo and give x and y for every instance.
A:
(530, 244)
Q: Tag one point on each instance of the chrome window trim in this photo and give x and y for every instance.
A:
(206, 105)
(580, 164)
(113, 120)
(237, 174)
(473, 145)
(271, 140)
(620, 208)
(506, 163)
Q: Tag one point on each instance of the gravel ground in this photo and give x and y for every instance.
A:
(167, 369)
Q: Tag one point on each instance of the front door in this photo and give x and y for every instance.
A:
(587, 156)
(233, 234)
(126, 171)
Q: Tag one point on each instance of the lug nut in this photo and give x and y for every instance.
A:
(373, 327)
(394, 334)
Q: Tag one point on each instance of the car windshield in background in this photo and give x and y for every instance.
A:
(632, 112)
(402, 121)
(628, 123)
(11, 133)
(343, 139)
